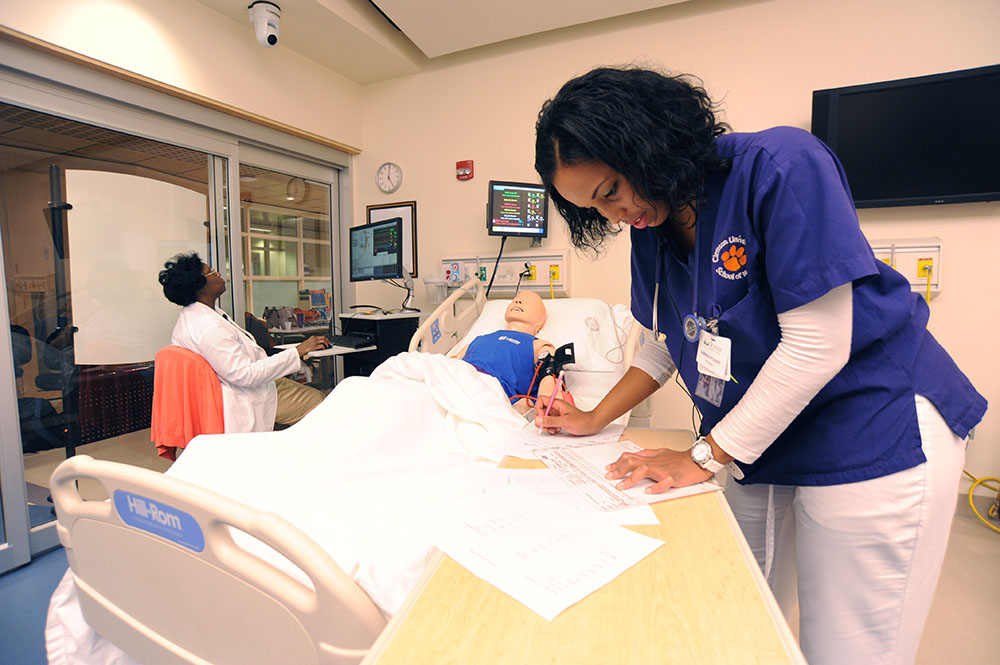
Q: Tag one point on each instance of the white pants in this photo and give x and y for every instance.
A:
(868, 553)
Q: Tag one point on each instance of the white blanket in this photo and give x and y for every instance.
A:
(365, 475)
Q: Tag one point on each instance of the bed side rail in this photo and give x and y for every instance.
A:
(451, 320)
(159, 573)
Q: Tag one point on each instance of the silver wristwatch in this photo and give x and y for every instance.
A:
(701, 454)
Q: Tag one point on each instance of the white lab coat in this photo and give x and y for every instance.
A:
(247, 373)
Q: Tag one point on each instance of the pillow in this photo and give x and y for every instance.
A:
(598, 331)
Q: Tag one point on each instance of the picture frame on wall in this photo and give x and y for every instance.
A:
(408, 211)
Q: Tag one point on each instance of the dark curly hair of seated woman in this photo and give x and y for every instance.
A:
(182, 278)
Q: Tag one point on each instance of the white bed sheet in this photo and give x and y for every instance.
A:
(365, 475)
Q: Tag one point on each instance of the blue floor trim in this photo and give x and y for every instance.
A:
(24, 601)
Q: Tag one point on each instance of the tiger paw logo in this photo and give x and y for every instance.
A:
(732, 254)
(734, 258)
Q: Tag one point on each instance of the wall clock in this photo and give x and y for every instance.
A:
(389, 177)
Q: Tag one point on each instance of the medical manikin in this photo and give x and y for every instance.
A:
(525, 365)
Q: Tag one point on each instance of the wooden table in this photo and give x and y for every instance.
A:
(700, 598)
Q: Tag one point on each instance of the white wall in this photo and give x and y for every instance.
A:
(187, 45)
(762, 60)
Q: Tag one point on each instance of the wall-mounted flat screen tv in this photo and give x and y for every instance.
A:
(916, 141)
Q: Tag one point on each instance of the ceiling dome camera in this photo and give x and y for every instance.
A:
(265, 17)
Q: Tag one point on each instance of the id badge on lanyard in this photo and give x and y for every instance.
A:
(714, 350)
(714, 353)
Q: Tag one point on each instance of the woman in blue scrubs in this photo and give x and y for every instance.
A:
(819, 385)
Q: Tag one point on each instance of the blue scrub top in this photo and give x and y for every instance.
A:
(778, 231)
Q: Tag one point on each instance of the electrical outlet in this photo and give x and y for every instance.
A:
(917, 259)
(515, 270)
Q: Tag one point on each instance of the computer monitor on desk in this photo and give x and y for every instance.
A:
(377, 250)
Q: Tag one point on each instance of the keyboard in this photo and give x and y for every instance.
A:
(351, 341)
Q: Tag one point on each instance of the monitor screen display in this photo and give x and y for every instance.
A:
(377, 250)
(915, 141)
(517, 209)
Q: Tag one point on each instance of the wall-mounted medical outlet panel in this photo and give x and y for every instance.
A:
(537, 265)
(918, 259)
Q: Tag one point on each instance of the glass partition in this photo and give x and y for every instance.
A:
(286, 234)
(87, 218)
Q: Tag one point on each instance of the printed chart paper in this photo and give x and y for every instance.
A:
(545, 557)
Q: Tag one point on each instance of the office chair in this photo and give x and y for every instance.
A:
(258, 328)
(187, 400)
(57, 357)
(41, 424)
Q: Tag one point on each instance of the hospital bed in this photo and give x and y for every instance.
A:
(295, 546)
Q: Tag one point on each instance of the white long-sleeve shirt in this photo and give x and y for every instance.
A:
(815, 345)
(247, 373)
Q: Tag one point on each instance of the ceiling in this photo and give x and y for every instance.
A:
(375, 41)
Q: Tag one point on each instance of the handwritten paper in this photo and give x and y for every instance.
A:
(585, 468)
(550, 485)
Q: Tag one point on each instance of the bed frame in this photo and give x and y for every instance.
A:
(158, 574)
(442, 330)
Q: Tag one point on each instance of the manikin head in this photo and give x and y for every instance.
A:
(525, 313)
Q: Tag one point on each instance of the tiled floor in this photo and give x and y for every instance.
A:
(962, 626)
(134, 448)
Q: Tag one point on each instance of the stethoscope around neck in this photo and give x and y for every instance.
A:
(691, 324)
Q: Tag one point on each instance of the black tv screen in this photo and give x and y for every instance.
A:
(916, 141)
(518, 209)
(377, 250)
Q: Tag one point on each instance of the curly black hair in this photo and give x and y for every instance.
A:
(182, 278)
(656, 130)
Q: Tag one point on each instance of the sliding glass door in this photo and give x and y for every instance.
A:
(87, 218)
(286, 242)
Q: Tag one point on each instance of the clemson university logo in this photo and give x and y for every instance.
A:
(731, 253)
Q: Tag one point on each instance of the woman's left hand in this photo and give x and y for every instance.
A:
(667, 468)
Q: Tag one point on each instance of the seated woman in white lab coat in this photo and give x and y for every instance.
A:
(249, 392)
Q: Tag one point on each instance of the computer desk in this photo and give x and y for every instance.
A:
(303, 331)
(327, 357)
(700, 598)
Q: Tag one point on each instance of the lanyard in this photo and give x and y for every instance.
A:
(660, 337)
(692, 323)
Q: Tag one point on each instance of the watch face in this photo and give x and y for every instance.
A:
(701, 451)
(389, 177)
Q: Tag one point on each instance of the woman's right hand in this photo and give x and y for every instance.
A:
(564, 417)
(311, 344)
